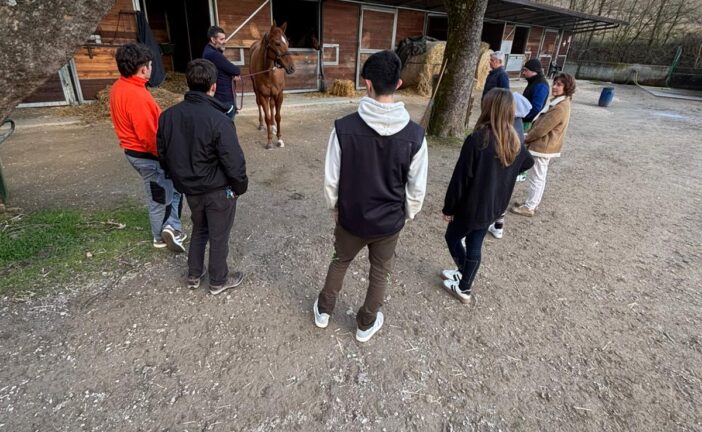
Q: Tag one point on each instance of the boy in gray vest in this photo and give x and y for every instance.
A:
(375, 179)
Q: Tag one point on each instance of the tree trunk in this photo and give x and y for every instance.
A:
(37, 37)
(462, 49)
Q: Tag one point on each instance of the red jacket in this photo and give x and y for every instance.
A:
(134, 115)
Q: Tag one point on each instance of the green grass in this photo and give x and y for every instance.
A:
(47, 249)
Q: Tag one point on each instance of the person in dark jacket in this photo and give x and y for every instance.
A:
(481, 187)
(199, 149)
(536, 90)
(226, 70)
(497, 78)
(375, 179)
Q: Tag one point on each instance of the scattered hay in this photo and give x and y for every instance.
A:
(165, 98)
(343, 88)
(99, 110)
(175, 82)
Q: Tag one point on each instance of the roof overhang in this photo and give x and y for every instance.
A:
(524, 12)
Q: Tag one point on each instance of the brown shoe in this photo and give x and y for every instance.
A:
(522, 210)
(233, 281)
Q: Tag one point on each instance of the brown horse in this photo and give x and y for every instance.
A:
(269, 58)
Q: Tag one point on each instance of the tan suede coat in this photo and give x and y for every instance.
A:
(545, 138)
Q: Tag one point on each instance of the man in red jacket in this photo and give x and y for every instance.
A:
(135, 118)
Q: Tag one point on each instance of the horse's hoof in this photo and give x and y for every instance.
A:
(269, 146)
(260, 127)
(281, 143)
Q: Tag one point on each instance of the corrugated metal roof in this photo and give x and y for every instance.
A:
(521, 12)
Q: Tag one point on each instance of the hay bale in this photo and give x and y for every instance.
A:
(343, 88)
(483, 68)
(431, 65)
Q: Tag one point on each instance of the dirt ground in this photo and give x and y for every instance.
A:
(587, 317)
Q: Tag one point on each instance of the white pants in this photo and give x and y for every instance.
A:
(536, 182)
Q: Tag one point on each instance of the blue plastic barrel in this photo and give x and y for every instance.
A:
(606, 97)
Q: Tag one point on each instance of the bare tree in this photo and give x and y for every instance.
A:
(37, 37)
(462, 50)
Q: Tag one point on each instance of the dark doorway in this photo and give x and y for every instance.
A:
(181, 28)
(520, 39)
(492, 34)
(302, 17)
(437, 27)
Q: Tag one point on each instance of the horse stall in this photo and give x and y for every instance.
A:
(328, 39)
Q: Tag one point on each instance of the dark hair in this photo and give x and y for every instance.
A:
(214, 31)
(568, 83)
(131, 57)
(201, 74)
(383, 70)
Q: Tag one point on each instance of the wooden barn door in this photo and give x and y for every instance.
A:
(376, 33)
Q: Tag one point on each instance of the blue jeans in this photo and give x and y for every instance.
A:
(466, 258)
(165, 203)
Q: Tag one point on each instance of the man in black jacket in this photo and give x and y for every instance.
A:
(199, 149)
(226, 70)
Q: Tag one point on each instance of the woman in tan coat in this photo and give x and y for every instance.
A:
(545, 140)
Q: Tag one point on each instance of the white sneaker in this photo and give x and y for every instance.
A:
(452, 287)
(496, 232)
(173, 239)
(453, 275)
(365, 335)
(321, 320)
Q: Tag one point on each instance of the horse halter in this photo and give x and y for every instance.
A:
(276, 56)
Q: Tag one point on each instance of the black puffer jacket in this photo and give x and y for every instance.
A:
(480, 188)
(198, 147)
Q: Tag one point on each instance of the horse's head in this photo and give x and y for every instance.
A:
(277, 48)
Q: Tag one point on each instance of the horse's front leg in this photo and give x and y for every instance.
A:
(278, 104)
(260, 116)
(264, 102)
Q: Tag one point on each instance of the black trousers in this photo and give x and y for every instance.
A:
(213, 217)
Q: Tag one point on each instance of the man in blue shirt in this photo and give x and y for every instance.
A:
(226, 70)
(497, 76)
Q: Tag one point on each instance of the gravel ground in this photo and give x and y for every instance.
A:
(586, 317)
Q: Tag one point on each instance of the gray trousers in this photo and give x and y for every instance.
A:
(164, 201)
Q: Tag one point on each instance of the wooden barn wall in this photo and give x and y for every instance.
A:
(95, 64)
(232, 13)
(341, 22)
(50, 91)
(409, 23)
(533, 42)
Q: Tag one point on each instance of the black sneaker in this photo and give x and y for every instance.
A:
(194, 281)
(233, 281)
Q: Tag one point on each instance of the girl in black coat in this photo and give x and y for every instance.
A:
(481, 187)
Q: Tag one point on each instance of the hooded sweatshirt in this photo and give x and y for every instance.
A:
(376, 169)
(521, 109)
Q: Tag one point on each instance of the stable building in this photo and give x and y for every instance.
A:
(329, 39)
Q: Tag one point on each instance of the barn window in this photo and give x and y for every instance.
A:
(302, 17)
(437, 27)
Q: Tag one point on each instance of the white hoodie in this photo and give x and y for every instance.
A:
(386, 119)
